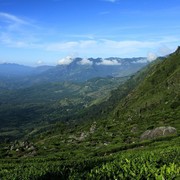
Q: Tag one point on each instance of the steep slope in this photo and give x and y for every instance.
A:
(155, 101)
(149, 99)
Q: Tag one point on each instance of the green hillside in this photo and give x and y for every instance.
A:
(156, 101)
(104, 140)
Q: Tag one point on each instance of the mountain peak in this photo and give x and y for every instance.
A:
(177, 52)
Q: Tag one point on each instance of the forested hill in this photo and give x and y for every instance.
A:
(132, 134)
(156, 100)
(149, 99)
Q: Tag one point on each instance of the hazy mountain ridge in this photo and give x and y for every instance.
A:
(14, 70)
(77, 70)
(15, 75)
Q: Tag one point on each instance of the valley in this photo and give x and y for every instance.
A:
(93, 127)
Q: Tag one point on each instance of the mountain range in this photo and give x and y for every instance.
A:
(76, 70)
(70, 130)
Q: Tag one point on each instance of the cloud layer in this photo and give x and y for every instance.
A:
(85, 61)
(19, 33)
(109, 62)
(151, 56)
(65, 61)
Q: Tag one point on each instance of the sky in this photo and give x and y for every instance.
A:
(45, 32)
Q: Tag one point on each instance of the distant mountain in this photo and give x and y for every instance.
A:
(15, 75)
(84, 69)
(9, 70)
(77, 70)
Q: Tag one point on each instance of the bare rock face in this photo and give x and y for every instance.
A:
(158, 132)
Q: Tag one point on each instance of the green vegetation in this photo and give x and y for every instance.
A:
(44, 104)
(139, 163)
(78, 132)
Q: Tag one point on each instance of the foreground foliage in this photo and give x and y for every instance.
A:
(161, 163)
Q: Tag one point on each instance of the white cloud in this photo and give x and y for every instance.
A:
(91, 48)
(6, 39)
(16, 32)
(151, 56)
(11, 18)
(109, 62)
(16, 42)
(87, 43)
(39, 62)
(141, 60)
(72, 45)
(106, 48)
(65, 61)
(128, 44)
(12, 23)
(144, 60)
(85, 61)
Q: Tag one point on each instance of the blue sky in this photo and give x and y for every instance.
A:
(36, 32)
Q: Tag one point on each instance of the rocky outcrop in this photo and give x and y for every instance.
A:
(23, 148)
(158, 132)
(83, 135)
